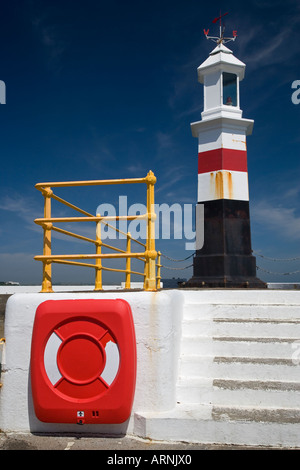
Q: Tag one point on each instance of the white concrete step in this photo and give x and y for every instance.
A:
(238, 381)
(260, 414)
(246, 368)
(239, 346)
(242, 327)
(240, 297)
(271, 311)
(256, 426)
(226, 392)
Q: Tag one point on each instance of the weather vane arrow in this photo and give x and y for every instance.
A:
(220, 39)
(219, 18)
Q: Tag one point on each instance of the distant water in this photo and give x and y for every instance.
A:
(172, 283)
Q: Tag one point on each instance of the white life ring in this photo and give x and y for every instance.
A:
(54, 370)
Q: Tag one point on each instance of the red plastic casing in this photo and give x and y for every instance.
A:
(91, 338)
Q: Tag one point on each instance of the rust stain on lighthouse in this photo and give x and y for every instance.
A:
(229, 184)
(221, 185)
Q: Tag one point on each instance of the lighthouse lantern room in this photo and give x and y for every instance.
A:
(226, 259)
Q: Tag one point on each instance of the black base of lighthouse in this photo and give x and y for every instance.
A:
(226, 283)
(225, 271)
(226, 258)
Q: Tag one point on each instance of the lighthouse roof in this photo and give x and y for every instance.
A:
(221, 58)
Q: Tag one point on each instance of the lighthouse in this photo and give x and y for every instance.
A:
(225, 259)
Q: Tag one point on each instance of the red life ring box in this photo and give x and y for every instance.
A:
(83, 361)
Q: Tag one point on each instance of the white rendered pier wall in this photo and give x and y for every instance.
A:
(213, 366)
(157, 319)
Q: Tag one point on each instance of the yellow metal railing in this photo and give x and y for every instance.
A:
(148, 254)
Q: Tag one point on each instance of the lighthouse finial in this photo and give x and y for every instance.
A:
(220, 39)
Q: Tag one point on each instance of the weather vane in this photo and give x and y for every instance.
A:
(221, 39)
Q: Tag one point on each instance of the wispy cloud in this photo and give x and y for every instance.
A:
(284, 221)
(164, 140)
(276, 43)
(51, 34)
(137, 169)
(25, 208)
(170, 179)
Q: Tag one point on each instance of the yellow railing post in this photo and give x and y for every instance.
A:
(47, 267)
(128, 262)
(150, 254)
(158, 275)
(98, 275)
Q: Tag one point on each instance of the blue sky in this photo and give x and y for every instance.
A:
(99, 90)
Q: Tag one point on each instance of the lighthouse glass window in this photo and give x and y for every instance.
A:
(229, 89)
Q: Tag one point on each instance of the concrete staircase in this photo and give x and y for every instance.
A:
(239, 375)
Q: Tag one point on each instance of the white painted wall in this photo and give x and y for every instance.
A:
(212, 91)
(157, 318)
(178, 340)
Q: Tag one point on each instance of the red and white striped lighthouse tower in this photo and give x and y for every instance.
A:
(225, 260)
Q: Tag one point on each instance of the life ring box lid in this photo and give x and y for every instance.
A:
(83, 361)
